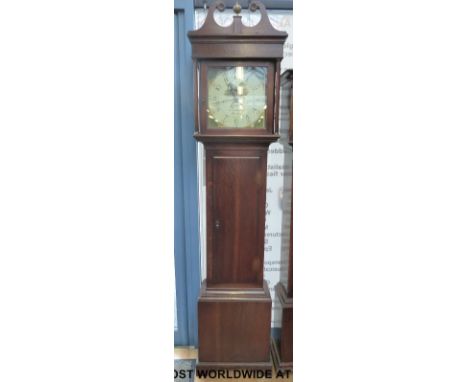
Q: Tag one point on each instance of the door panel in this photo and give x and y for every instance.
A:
(236, 220)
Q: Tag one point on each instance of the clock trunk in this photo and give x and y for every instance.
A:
(236, 189)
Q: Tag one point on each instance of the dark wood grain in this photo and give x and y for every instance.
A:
(234, 328)
(291, 125)
(282, 348)
(236, 192)
(234, 307)
(290, 260)
(237, 40)
(287, 78)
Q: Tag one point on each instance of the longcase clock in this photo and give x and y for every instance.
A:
(237, 73)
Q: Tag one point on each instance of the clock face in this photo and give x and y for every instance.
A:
(237, 97)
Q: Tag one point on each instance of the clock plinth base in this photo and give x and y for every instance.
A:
(234, 328)
(275, 353)
(282, 347)
(235, 365)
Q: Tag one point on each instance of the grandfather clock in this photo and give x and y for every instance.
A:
(237, 75)
(282, 347)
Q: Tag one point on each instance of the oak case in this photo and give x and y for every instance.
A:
(234, 307)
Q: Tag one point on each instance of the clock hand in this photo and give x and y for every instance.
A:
(233, 90)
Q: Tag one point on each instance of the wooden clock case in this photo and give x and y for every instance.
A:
(234, 306)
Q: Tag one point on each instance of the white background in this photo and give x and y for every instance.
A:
(380, 188)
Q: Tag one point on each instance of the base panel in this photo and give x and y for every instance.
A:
(275, 352)
(282, 347)
(234, 365)
(234, 329)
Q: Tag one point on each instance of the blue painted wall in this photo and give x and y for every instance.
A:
(186, 233)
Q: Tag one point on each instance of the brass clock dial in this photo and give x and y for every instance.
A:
(237, 97)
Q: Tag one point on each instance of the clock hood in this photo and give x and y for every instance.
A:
(259, 41)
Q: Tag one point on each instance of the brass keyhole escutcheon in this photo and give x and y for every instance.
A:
(217, 224)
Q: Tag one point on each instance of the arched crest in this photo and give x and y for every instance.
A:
(256, 39)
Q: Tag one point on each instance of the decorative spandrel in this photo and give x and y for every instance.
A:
(237, 97)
